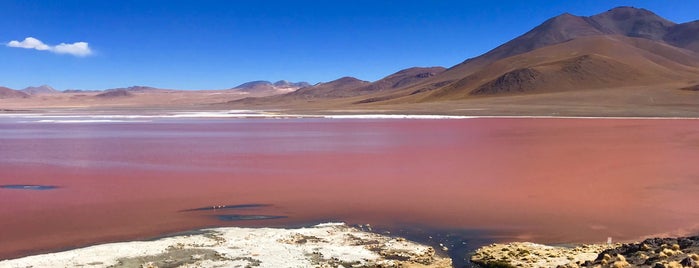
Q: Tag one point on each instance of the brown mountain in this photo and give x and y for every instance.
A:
(8, 93)
(401, 79)
(621, 47)
(338, 88)
(584, 63)
(626, 21)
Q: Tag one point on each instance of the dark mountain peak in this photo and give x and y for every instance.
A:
(342, 87)
(627, 21)
(564, 17)
(7, 93)
(418, 70)
(39, 90)
(135, 89)
(284, 83)
(115, 93)
(346, 80)
(633, 22)
(685, 35)
(253, 84)
(624, 12)
(553, 31)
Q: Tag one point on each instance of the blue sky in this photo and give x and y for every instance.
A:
(220, 44)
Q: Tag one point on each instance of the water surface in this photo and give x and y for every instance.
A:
(544, 180)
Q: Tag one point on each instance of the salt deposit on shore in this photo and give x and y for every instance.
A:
(325, 245)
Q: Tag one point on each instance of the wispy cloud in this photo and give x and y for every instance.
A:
(80, 49)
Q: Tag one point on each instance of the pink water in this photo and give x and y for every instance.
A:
(544, 180)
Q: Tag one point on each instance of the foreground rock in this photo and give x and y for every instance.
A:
(527, 254)
(653, 253)
(325, 245)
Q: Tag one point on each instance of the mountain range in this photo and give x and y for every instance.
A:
(623, 59)
(622, 47)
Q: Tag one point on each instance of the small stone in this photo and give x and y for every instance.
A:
(620, 257)
(688, 262)
(620, 264)
(673, 264)
(658, 265)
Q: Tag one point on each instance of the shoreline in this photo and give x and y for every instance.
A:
(87, 116)
(319, 245)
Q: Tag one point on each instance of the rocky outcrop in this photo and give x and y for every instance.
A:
(651, 253)
(525, 254)
(654, 252)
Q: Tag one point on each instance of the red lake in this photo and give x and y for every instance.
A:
(543, 180)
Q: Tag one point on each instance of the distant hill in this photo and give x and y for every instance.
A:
(350, 87)
(8, 93)
(341, 87)
(142, 89)
(43, 89)
(80, 91)
(115, 93)
(267, 88)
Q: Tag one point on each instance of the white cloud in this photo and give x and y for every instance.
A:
(29, 42)
(80, 49)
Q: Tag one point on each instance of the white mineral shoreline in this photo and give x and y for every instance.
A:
(324, 245)
(78, 117)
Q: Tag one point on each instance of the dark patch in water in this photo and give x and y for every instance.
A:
(28, 187)
(237, 217)
(222, 207)
(461, 244)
